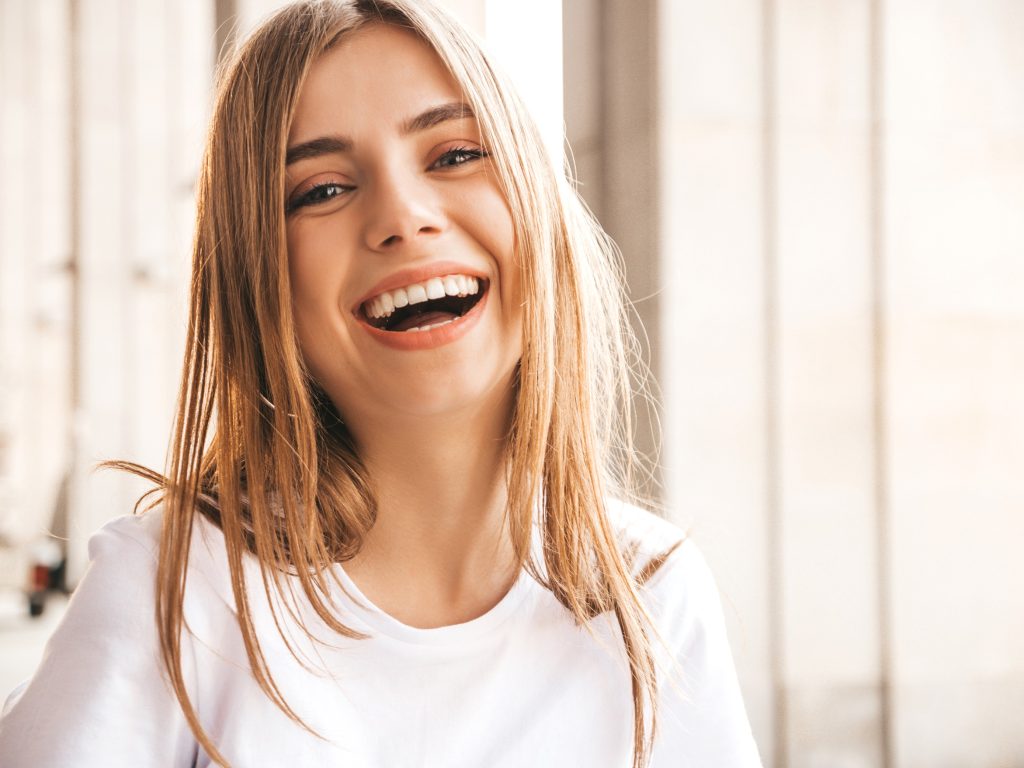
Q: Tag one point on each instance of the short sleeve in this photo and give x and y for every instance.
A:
(99, 697)
(701, 720)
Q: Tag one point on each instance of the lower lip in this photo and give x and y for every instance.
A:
(434, 337)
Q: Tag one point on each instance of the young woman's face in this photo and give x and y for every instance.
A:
(400, 243)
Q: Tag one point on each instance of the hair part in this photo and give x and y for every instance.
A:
(259, 449)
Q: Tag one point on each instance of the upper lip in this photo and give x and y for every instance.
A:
(418, 275)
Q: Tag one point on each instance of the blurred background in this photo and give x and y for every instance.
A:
(821, 207)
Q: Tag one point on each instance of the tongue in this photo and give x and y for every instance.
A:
(426, 318)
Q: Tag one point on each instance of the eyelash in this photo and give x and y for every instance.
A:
(320, 193)
(470, 153)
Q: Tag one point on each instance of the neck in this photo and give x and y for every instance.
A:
(439, 551)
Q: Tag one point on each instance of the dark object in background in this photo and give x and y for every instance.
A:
(43, 579)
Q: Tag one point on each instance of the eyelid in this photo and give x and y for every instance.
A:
(296, 199)
(461, 145)
(327, 177)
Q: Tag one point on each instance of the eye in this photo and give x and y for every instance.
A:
(459, 156)
(319, 193)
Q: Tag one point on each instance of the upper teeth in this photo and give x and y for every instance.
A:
(383, 304)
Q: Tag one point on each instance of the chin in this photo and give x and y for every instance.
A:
(466, 390)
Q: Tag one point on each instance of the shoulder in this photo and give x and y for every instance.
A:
(127, 548)
(134, 535)
(118, 581)
(105, 619)
(102, 665)
(704, 719)
(672, 573)
(651, 544)
(112, 605)
(642, 524)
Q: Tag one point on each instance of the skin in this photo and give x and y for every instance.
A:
(430, 423)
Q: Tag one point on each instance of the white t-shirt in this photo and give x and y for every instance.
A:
(518, 686)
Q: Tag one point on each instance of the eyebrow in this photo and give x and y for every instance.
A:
(327, 145)
(453, 110)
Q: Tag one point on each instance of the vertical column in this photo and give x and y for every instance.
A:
(102, 215)
(33, 281)
(191, 50)
(149, 260)
(583, 33)
(49, 280)
(712, 316)
(827, 536)
(954, 236)
(611, 122)
(137, 159)
(631, 165)
(15, 132)
(225, 14)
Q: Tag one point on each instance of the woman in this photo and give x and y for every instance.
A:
(400, 544)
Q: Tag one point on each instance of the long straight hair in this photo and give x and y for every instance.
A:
(260, 450)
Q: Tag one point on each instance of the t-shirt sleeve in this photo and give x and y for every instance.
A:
(701, 718)
(99, 697)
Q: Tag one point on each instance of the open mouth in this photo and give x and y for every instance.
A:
(423, 306)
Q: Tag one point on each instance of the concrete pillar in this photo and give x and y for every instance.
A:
(15, 130)
(34, 323)
(612, 128)
(840, 328)
(953, 122)
(103, 284)
(720, 455)
(821, 202)
(141, 115)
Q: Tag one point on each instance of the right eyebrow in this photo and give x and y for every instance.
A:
(325, 145)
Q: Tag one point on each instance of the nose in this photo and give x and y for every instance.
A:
(403, 209)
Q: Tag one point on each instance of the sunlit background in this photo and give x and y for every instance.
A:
(821, 207)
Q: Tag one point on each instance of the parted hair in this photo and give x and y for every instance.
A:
(261, 451)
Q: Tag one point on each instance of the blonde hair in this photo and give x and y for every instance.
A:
(285, 481)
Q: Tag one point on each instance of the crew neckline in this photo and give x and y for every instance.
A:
(449, 635)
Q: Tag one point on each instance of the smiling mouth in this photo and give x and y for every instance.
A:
(423, 306)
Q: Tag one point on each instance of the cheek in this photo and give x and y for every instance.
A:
(489, 222)
(317, 273)
(494, 224)
(482, 212)
(299, 267)
(312, 258)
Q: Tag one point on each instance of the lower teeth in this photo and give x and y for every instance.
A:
(428, 327)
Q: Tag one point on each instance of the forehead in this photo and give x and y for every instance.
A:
(369, 82)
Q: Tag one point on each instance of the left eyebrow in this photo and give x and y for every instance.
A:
(453, 110)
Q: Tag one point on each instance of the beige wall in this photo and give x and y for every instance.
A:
(718, 470)
(106, 196)
(824, 344)
(954, 235)
(841, 339)
(143, 104)
(34, 277)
